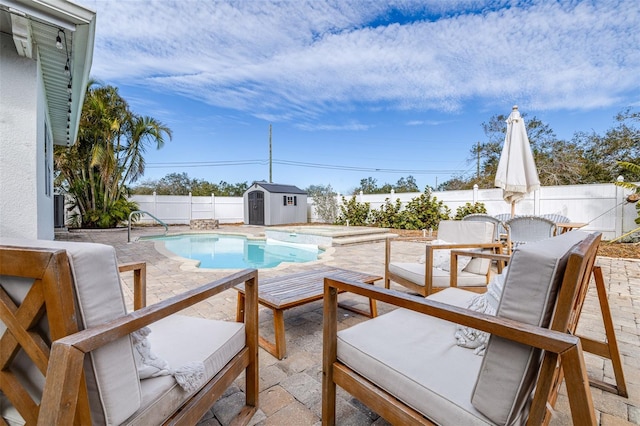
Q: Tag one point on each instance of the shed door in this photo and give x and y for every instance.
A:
(256, 208)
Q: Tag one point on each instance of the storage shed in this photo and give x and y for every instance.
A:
(274, 204)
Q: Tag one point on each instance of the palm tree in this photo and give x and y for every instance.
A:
(107, 157)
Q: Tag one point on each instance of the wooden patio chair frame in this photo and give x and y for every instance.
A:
(563, 353)
(428, 288)
(605, 349)
(65, 398)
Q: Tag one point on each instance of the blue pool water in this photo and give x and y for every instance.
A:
(215, 251)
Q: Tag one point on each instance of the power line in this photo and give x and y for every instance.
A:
(360, 169)
(298, 164)
(205, 163)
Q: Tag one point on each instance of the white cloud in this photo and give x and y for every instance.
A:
(299, 60)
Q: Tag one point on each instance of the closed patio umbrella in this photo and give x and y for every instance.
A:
(516, 174)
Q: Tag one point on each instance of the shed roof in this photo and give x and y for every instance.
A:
(280, 189)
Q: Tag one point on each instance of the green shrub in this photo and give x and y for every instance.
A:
(468, 209)
(353, 213)
(634, 168)
(423, 212)
(388, 216)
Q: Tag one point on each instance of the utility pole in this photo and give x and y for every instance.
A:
(478, 163)
(270, 158)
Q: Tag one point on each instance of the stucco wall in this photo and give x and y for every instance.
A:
(22, 199)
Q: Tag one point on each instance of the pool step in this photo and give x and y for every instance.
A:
(362, 239)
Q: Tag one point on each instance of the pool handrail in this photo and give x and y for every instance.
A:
(166, 227)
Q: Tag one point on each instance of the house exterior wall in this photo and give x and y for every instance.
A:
(25, 209)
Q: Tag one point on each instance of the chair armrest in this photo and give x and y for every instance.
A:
(492, 256)
(395, 237)
(139, 282)
(512, 330)
(453, 246)
(67, 354)
(566, 346)
(502, 259)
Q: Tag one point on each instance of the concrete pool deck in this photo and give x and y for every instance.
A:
(290, 390)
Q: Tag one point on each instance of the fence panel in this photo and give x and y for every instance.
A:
(602, 206)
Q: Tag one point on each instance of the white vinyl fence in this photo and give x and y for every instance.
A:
(602, 206)
(180, 209)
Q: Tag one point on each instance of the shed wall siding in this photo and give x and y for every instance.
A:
(275, 212)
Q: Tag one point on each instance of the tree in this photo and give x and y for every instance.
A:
(174, 184)
(107, 157)
(367, 186)
(558, 162)
(182, 184)
(324, 201)
(604, 153)
(370, 186)
(406, 185)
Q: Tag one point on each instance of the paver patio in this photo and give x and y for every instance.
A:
(290, 389)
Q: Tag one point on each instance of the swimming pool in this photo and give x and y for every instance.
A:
(217, 251)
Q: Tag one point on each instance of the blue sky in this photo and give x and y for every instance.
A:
(357, 89)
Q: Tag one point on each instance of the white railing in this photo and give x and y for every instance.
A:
(601, 206)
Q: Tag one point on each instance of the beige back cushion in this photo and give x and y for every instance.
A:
(112, 376)
(468, 232)
(509, 369)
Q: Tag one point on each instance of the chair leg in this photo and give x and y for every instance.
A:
(329, 355)
(252, 380)
(609, 348)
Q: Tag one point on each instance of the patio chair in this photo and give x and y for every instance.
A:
(71, 354)
(436, 273)
(503, 217)
(527, 229)
(556, 218)
(481, 217)
(407, 367)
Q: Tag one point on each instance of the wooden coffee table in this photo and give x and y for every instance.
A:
(288, 291)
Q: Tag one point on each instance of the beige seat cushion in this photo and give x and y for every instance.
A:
(423, 367)
(180, 340)
(465, 232)
(112, 376)
(509, 369)
(414, 272)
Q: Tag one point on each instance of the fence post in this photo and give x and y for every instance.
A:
(536, 202)
(190, 207)
(213, 206)
(475, 193)
(619, 216)
(155, 203)
(361, 195)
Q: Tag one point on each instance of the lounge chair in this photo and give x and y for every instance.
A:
(72, 354)
(406, 365)
(435, 273)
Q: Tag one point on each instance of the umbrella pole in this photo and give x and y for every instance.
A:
(513, 209)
